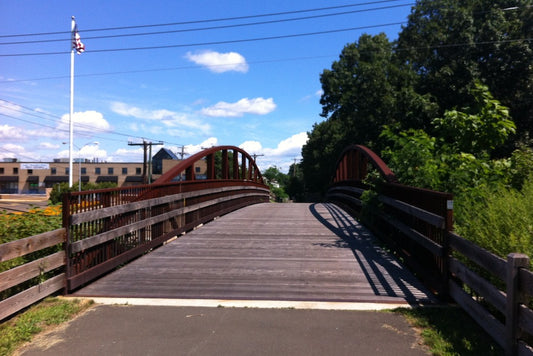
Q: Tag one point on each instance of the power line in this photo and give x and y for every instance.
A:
(210, 43)
(205, 20)
(79, 125)
(213, 27)
(168, 69)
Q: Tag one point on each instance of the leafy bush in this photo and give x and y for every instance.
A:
(59, 189)
(499, 220)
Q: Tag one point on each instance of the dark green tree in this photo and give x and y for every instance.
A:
(452, 44)
(364, 90)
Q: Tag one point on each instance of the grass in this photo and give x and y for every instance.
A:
(449, 331)
(50, 312)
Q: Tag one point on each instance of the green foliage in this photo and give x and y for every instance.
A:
(412, 156)
(51, 311)
(453, 44)
(21, 225)
(500, 220)
(59, 189)
(458, 160)
(480, 128)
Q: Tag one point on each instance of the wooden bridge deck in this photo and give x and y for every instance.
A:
(289, 252)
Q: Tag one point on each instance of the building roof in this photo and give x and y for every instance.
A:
(165, 153)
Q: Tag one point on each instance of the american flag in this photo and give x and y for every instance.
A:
(76, 41)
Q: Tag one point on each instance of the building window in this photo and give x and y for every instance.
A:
(110, 170)
(124, 170)
(138, 171)
(83, 170)
(97, 170)
(15, 170)
(67, 170)
(53, 170)
(30, 171)
(197, 169)
(1, 170)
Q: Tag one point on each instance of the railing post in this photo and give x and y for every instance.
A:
(66, 225)
(515, 261)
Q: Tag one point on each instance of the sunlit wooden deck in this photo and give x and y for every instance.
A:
(295, 252)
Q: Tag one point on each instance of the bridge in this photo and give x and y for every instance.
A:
(262, 251)
(218, 238)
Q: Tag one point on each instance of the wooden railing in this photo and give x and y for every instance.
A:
(110, 227)
(416, 223)
(26, 283)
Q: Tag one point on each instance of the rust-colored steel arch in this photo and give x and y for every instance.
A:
(353, 165)
(246, 171)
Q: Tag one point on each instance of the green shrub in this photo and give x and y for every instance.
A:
(500, 220)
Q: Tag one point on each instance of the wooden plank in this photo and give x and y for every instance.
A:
(31, 244)
(416, 236)
(488, 291)
(30, 270)
(111, 234)
(95, 272)
(125, 208)
(269, 252)
(486, 320)
(20, 301)
(526, 281)
(355, 190)
(344, 198)
(426, 216)
(524, 349)
(480, 256)
(525, 319)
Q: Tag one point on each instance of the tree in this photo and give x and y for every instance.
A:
(453, 44)
(458, 159)
(364, 90)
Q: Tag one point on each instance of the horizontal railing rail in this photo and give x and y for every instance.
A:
(33, 280)
(108, 228)
(497, 293)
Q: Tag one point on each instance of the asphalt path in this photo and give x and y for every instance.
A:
(164, 330)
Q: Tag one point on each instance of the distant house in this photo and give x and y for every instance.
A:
(157, 160)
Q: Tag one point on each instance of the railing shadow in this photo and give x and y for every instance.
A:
(384, 273)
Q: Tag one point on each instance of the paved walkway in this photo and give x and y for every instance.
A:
(148, 330)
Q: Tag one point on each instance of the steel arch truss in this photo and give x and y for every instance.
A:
(353, 165)
(237, 166)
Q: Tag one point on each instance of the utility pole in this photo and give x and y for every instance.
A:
(255, 155)
(182, 153)
(146, 144)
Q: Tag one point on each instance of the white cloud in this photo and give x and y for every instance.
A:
(192, 149)
(291, 146)
(252, 147)
(10, 109)
(85, 122)
(282, 156)
(8, 133)
(88, 151)
(219, 62)
(166, 117)
(319, 93)
(257, 106)
(48, 145)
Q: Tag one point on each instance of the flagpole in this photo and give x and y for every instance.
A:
(71, 114)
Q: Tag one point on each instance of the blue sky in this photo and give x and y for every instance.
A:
(202, 83)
